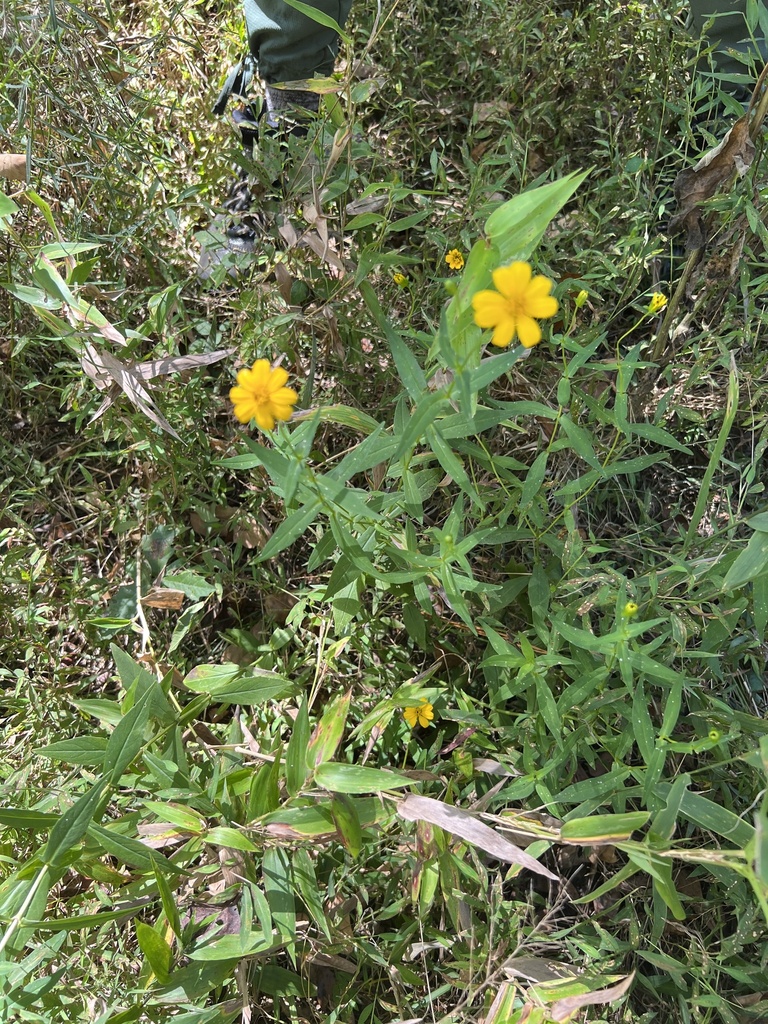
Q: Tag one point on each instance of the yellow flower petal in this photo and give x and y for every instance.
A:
(504, 333)
(528, 331)
(512, 281)
(490, 308)
(411, 716)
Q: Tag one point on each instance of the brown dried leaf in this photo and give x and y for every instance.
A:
(105, 367)
(13, 166)
(175, 364)
(164, 597)
(693, 186)
(372, 204)
(466, 826)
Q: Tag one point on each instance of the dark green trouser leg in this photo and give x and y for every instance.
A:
(289, 46)
(728, 32)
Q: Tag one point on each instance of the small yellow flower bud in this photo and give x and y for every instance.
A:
(714, 735)
(657, 303)
(581, 298)
(400, 280)
(629, 609)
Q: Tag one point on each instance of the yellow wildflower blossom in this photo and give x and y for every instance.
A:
(400, 280)
(454, 259)
(261, 395)
(421, 715)
(657, 303)
(513, 309)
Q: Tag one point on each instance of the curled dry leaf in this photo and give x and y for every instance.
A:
(13, 166)
(466, 826)
(693, 186)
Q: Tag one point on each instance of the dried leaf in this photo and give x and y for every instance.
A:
(13, 166)
(176, 364)
(104, 367)
(371, 204)
(164, 597)
(693, 186)
(468, 827)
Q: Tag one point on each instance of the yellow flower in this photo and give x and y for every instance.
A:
(513, 309)
(400, 280)
(261, 395)
(422, 715)
(658, 302)
(454, 259)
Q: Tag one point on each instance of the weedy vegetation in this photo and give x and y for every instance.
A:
(443, 700)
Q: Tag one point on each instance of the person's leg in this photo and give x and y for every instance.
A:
(289, 46)
(729, 35)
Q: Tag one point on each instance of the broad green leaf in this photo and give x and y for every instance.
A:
(181, 817)
(603, 828)
(190, 583)
(279, 887)
(258, 687)
(517, 227)
(750, 563)
(72, 825)
(127, 739)
(293, 527)
(158, 953)
(328, 731)
(20, 817)
(79, 750)
(309, 889)
(231, 838)
(354, 778)
(347, 822)
(296, 752)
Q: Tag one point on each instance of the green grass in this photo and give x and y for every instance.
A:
(211, 804)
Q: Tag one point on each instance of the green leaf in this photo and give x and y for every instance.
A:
(517, 227)
(603, 828)
(309, 888)
(347, 822)
(354, 778)
(296, 753)
(257, 686)
(190, 583)
(750, 563)
(291, 529)
(72, 825)
(230, 838)
(127, 739)
(410, 372)
(158, 953)
(328, 731)
(532, 484)
(79, 750)
(278, 886)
